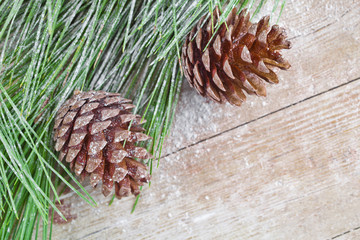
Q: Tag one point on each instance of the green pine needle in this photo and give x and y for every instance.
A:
(49, 48)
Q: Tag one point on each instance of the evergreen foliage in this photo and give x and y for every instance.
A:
(49, 48)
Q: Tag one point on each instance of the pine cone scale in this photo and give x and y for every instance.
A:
(80, 162)
(123, 188)
(93, 162)
(120, 171)
(72, 153)
(77, 138)
(97, 175)
(216, 79)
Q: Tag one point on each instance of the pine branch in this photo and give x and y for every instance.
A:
(49, 48)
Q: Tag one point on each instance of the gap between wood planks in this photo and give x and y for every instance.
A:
(266, 115)
(347, 232)
(92, 233)
(335, 236)
(261, 117)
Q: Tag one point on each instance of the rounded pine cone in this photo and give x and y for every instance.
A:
(239, 57)
(92, 134)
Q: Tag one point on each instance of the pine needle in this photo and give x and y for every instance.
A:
(49, 48)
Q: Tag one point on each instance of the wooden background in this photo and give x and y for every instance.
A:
(282, 167)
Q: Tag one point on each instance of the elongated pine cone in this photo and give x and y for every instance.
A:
(92, 133)
(238, 57)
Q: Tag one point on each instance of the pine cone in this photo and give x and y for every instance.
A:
(90, 131)
(237, 58)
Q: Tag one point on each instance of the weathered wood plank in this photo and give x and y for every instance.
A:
(292, 172)
(325, 54)
(352, 234)
(291, 175)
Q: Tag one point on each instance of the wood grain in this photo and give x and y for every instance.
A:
(284, 167)
(292, 175)
(325, 54)
(351, 234)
